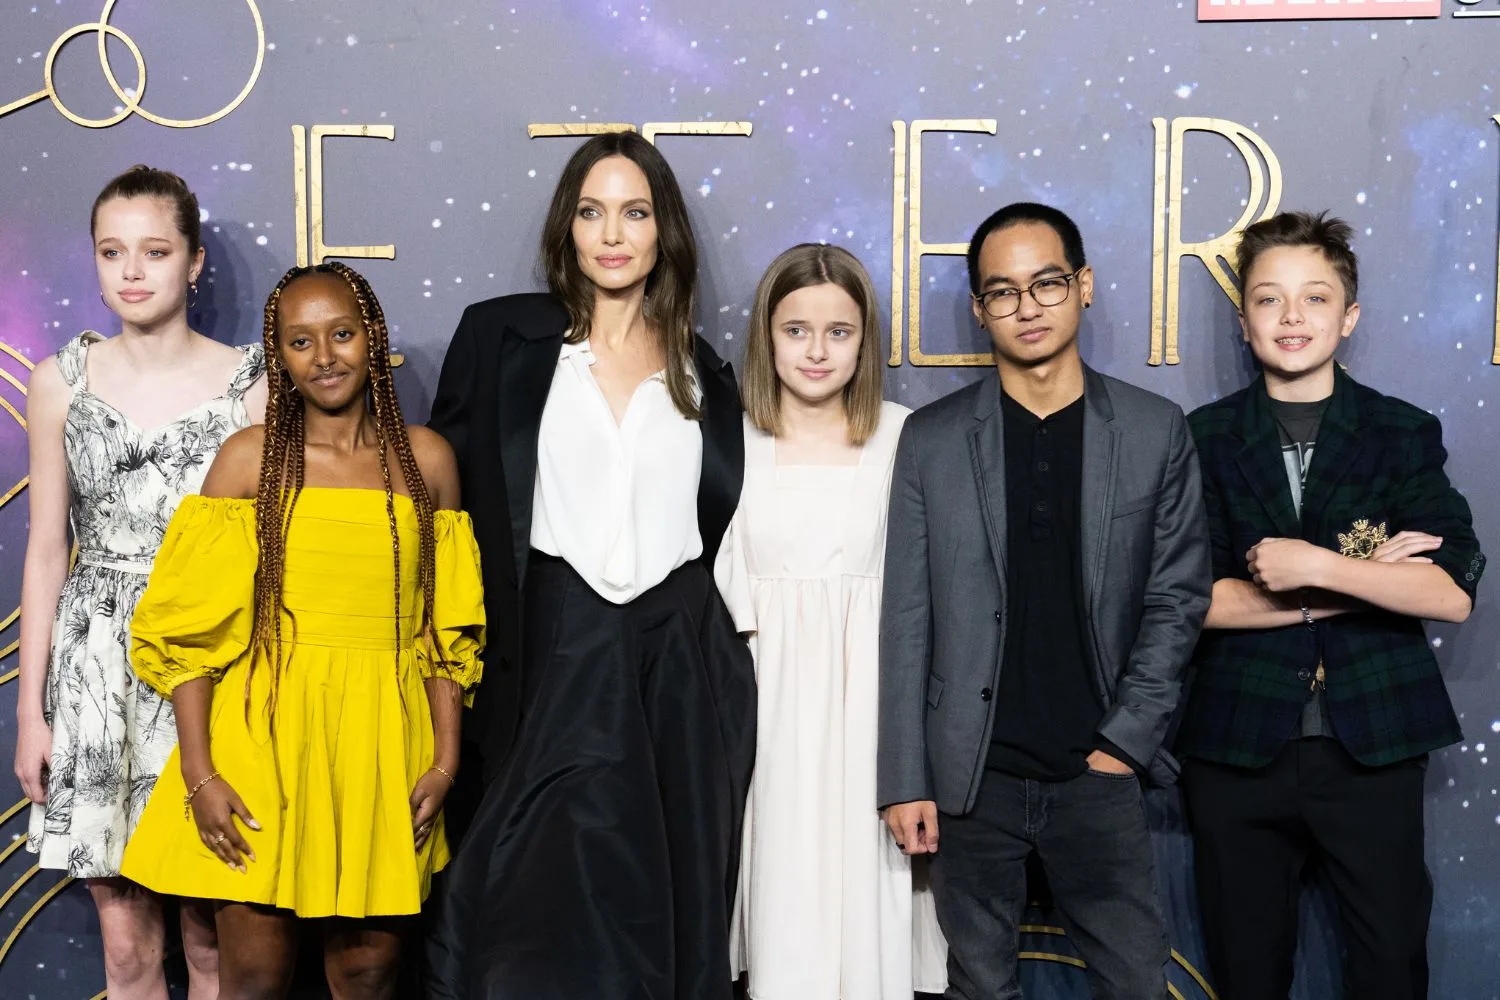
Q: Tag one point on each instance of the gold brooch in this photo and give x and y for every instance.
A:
(1362, 540)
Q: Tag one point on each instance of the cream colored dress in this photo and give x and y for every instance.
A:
(826, 908)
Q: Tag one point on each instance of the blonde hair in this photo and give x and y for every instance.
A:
(803, 266)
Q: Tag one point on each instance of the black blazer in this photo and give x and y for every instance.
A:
(1378, 470)
(490, 395)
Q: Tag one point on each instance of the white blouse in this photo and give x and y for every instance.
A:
(618, 503)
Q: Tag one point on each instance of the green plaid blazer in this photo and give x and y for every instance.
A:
(1378, 460)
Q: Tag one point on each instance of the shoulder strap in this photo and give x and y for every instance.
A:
(72, 360)
(252, 366)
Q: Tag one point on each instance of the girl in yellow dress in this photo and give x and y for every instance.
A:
(315, 617)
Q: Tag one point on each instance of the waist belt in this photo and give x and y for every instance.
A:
(110, 560)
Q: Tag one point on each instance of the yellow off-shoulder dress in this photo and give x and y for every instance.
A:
(329, 774)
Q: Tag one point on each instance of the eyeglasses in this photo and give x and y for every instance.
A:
(1049, 291)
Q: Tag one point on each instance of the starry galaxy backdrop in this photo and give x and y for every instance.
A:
(1387, 122)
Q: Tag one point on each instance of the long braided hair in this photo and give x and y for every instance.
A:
(284, 463)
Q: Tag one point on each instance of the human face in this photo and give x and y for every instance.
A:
(1294, 316)
(144, 263)
(323, 344)
(614, 226)
(815, 337)
(1014, 258)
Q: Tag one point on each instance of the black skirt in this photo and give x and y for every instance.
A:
(601, 862)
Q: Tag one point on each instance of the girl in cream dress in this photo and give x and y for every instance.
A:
(827, 907)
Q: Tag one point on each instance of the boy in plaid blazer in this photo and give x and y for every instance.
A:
(1335, 532)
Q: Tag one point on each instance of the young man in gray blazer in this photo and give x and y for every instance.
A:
(1047, 574)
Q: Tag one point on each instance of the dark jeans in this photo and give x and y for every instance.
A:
(1091, 838)
(1256, 835)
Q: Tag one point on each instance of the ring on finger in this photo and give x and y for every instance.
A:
(220, 839)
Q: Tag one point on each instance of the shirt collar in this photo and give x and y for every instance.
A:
(1015, 411)
(582, 351)
(569, 350)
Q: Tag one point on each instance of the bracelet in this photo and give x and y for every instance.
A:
(444, 773)
(187, 800)
(1307, 618)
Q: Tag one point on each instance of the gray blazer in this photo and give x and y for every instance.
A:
(1146, 581)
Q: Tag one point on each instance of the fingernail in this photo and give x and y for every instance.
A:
(252, 855)
(253, 825)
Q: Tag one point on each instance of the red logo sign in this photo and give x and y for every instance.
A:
(1302, 10)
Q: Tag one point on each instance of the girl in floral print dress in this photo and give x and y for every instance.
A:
(120, 430)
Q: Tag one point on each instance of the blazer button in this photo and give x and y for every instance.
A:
(985, 695)
(999, 616)
(1304, 674)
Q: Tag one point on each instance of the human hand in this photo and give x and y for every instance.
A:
(215, 806)
(33, 756)
(914, 825)
(1407, 546)
(1283, 564)
(426, 802)
(1108, 764)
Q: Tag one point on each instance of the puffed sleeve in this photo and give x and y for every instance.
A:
(732, 575)
(458, 604)
(195, 618)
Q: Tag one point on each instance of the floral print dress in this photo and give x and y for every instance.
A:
(111, 734)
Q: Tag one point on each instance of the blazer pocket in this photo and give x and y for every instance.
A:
(934, 690)
(1135, 506)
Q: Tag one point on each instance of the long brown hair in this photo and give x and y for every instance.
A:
(672, 286)
(803, 266)
(284, 460)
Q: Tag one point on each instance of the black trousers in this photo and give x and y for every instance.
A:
(1091, 837)
(1257, 834)
(600, 863)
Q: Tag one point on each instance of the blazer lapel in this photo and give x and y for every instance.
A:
(1099, 454)
(1336, 449)
(528, 359)
(1260, 461)
(987, 453)
(723, 470)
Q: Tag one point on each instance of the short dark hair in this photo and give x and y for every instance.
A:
(1327, 233)
(141, 181)
(1018, 214)
(671, 288)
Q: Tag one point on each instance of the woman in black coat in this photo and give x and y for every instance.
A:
(601, 451)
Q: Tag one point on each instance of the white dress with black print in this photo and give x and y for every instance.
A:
(111, 734)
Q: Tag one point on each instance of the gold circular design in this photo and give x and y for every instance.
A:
(140, 69)
(18, 810)
(134, 104)
(1178, 959)
(9, 495)
(131, 103)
